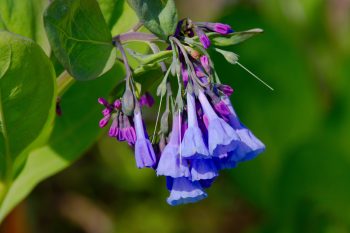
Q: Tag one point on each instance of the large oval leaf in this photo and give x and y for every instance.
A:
(80, 37)
(160, 17)
(27, 91)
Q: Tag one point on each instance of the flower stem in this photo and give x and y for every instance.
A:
(136, 36)
(64, 81)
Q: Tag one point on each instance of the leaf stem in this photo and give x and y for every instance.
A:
(136, 36)
(64, 81)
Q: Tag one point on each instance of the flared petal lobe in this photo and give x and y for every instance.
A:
(203, 169)
(144, 153)
(193, 145)
(184, 191)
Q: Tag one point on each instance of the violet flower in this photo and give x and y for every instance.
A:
(193, 145)
(249, 146)
(184, 191)
(203, 38)
(222, 138)
(171, 162)
(203, 169)
(144, 153)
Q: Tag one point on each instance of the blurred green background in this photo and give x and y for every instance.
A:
(300, 184)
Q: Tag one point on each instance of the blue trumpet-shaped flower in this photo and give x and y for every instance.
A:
(144, 153)
(193, 145)
(184, 191)
(249, 146)
(222, 138)
(171, 162)
(203, 169)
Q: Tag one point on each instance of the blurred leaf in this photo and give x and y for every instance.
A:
(160, 17)
(2, 23)
(26, 108)
(24, 17)
(80, 38)
(233, 38)
(118, 15)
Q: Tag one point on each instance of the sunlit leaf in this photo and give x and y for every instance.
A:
(80, 37)
(160, 17)
(24, 17)
(27, 101)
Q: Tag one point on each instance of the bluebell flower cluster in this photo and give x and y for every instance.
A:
(200, 133)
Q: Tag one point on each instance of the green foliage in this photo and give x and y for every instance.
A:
(80, 38)
(24, 17)
(26, 109)
(78, 125)
(160, 17)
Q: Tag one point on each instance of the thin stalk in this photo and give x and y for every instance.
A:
(64, 82)
(136, 36)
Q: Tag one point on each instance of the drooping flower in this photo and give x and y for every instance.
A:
(184, 191)
(203, 169)
(144, 153)
(193, 145)
(222, 138)
(249, 146)
(171, 162)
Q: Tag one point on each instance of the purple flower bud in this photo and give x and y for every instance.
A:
(129, 131)
(120, 136)
(223, 29)
(117, 104)
(104, 121)
(146, 100)
(144, 153)
(103, 101)
(205, 63)
(193, 145)
(106, 111)
(222, 138)
(113, 130)
(226, 89)
(171, 163)
(184, 191)
(203, 38)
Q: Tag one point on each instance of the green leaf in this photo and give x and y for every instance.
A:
(24, 17)
(160, 17)
(27, 100)
(74, 132)
(2, 23)
(80, 38)
(118, 15)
